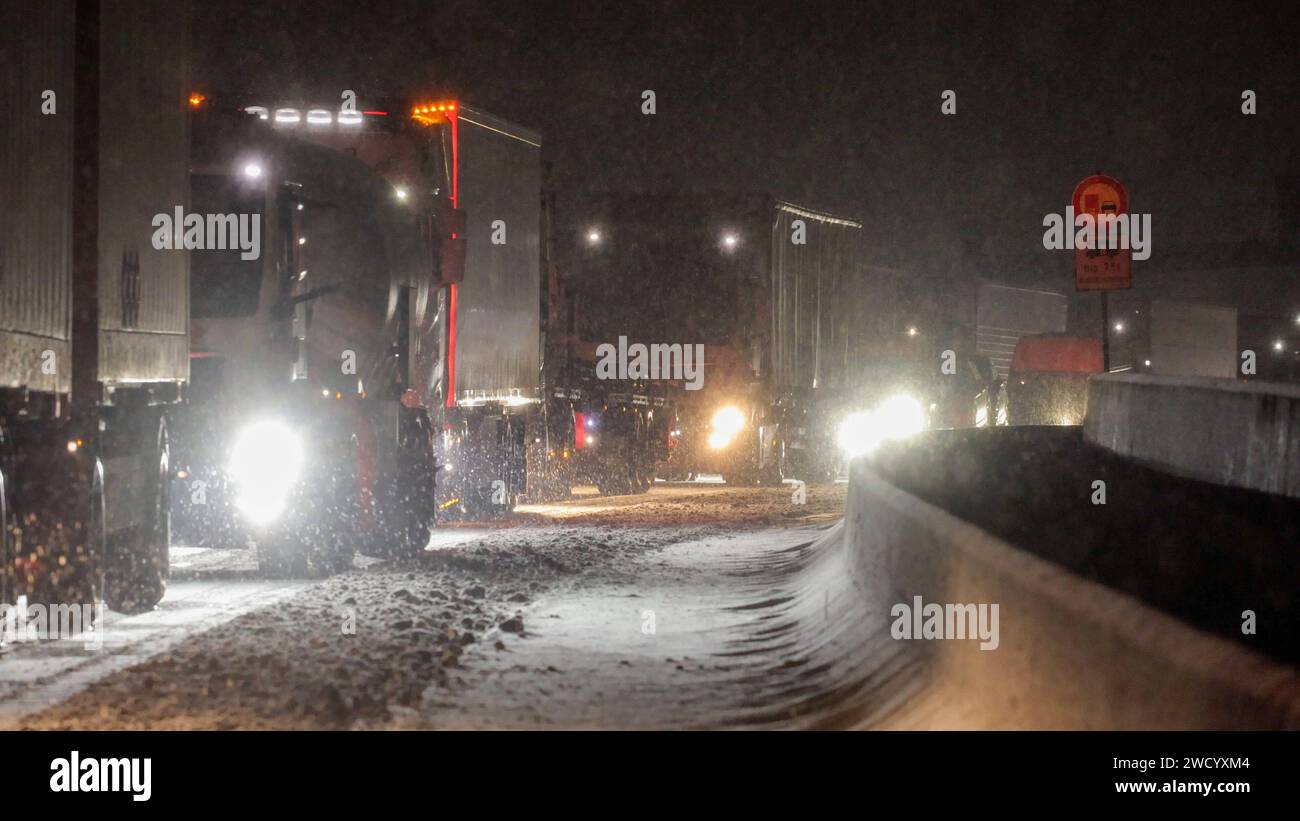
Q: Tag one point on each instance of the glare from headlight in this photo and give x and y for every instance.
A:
(857, 434)
(719, 440)
(264, 465)
(899, 417)
(728, 421)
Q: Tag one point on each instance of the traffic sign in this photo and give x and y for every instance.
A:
(1101, 269)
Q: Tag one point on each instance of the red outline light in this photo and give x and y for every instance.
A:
(451, 305)
(451, 346)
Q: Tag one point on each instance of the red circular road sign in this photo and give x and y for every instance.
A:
(1100, 194)
(1096, 268)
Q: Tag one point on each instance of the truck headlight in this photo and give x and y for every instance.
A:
(726, 423)
(898, 417)
(265, 462)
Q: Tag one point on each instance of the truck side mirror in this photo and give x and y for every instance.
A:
(451, 249)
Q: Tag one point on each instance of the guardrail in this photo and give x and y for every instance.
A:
(1070, 653)
(1245, 434)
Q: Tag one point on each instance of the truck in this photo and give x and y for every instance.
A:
(771, 294)
(307, 432)
(94, 317)
(1188, 339)
(1048, 380)
(472, 312)
(1005, 313)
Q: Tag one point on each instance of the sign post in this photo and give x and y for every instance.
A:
(1096, 268)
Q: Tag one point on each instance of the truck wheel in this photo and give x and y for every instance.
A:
(615, 480)
(137, 560)
(402, 535)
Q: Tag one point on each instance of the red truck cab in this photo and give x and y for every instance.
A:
(1047, 383)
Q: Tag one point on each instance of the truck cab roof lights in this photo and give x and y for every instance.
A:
(314, 116)
(428, 114)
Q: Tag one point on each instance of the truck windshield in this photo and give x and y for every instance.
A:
(222, 283)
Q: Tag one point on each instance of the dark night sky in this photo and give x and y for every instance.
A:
(837, 104)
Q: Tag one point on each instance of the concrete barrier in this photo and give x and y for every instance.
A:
(1245, 434)
(1071, 653)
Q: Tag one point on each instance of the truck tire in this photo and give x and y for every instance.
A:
(133, 575)
(401, 534)
(323, 544)
(615, 479)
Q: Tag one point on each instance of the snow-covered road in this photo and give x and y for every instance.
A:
(624, 611)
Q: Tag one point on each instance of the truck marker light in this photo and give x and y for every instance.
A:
(196, 99)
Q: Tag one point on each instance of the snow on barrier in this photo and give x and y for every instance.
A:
(1220, 430)
(1069, 653)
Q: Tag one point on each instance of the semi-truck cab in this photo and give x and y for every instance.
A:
(302, 434)
(467, 187)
